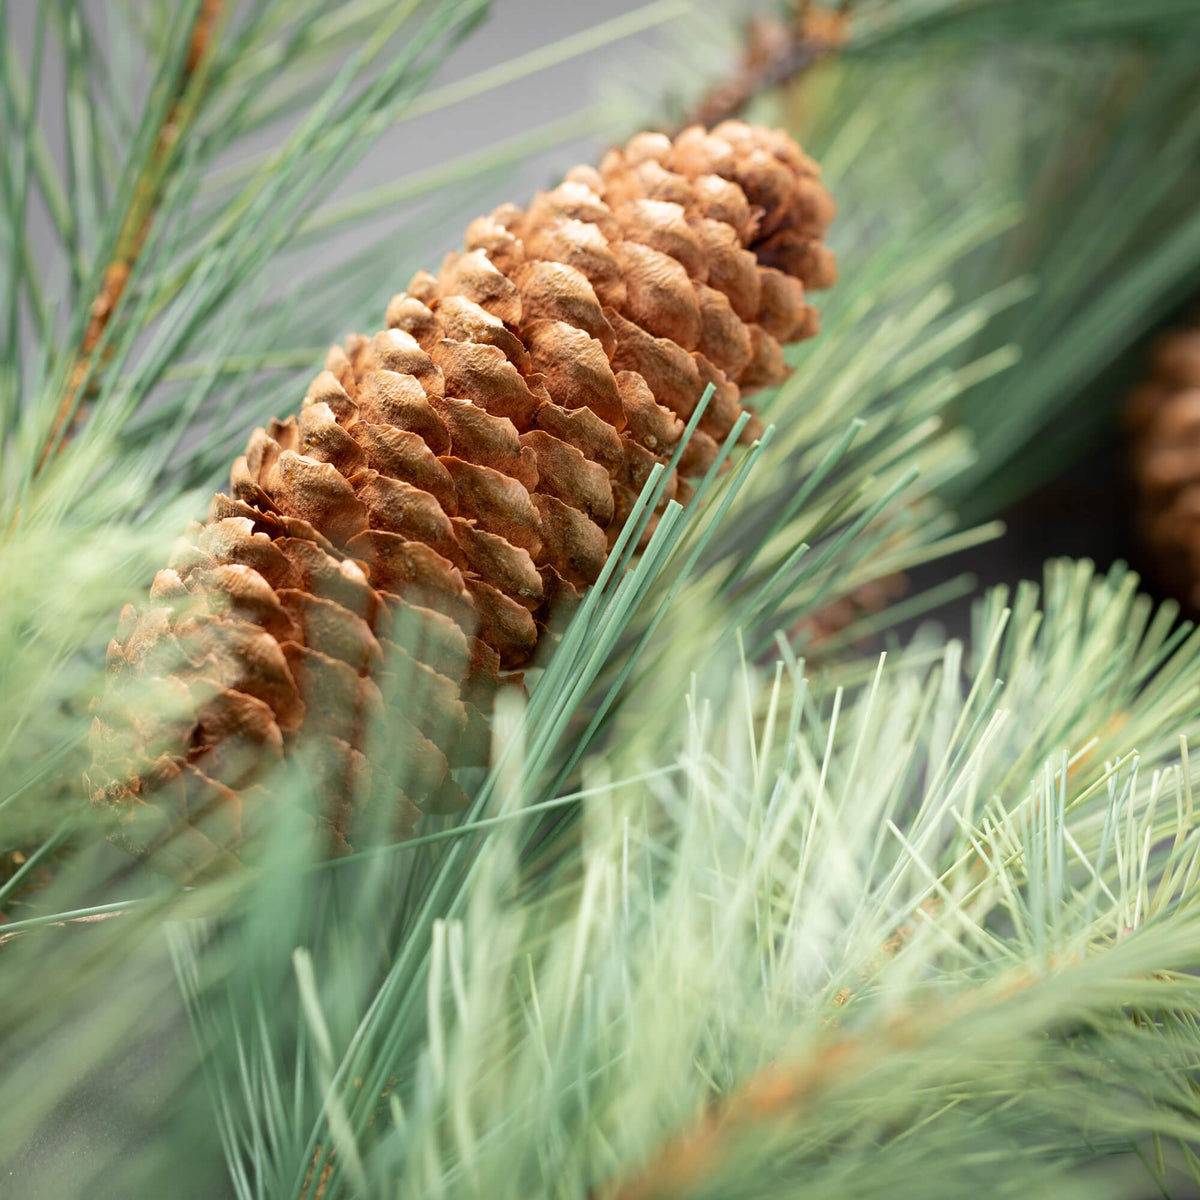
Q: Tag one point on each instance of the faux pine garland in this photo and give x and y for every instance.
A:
(716, 920)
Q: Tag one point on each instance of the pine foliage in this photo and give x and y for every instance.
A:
(737, 910)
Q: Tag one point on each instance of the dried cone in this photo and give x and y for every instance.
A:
(1163, 422)
(838, 615)
(463, 472)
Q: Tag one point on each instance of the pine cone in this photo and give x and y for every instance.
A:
(1163, 423)
(866, 600)
(464, 473)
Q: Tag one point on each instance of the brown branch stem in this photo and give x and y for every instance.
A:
(776, 52)
(781, 1092)
(135, 226)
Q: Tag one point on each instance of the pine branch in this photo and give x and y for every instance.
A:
(776, 53)
(185, 96)
(722, 874)
(699, 868)
(779, 1094)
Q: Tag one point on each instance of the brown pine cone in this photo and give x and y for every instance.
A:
(450, 481)
(866, 600)
(1163, 423)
